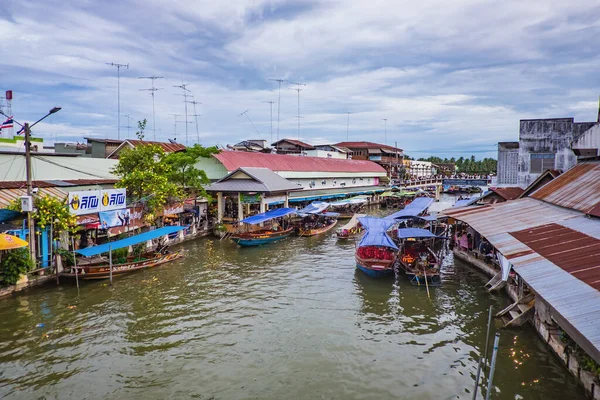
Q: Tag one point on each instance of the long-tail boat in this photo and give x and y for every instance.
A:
(103, 268)
(275, 232)
(376, 253)
(416, 257)
(351, 229)
(315, 219)
(348, 207)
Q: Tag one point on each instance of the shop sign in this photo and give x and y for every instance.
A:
(250, 198)
(93, 201)
(109, 219)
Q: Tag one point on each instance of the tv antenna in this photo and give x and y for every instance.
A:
(271, 107)
(348, 125)
(175, 124)
(152, 90)
(196, 115)
(119, 66)
(298, 89)
(246, 114)
(384, 130)
(185, 95)
(128, 125)
(278, 103)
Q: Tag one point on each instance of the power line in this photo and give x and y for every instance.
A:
(278, 103)
(298, 90)
(246, 114)
(271, 107)
(185, 95)
(119, 66)
(152, 90)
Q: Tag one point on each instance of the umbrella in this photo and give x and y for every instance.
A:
(8, 242)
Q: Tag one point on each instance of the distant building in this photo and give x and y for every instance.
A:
(80, 149)
(546, 144)
(251, 145)
(587, 144)
(388, 157)
(328, 151)
(508, 163)
(102, 148)
(445, 168)
(418, 169)
(292, 146)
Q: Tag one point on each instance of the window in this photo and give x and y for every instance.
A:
(539, 162)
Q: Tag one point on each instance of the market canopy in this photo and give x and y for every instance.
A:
(9, 242)
(347, 202)
(417, 233)
(315, 207)
(413, 209)
(269, 215)
(375, 234)
(130, 241)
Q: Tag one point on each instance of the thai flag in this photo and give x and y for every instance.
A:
(7, 124)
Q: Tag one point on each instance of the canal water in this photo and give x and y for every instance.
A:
(292, 320)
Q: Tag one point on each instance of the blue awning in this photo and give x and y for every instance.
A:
(269, 215)
(375, 234)
(417, 233)
(413, 209)
(314, 208)
(8, 215)
(130, 241)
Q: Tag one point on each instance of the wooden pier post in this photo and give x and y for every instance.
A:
(110, 264)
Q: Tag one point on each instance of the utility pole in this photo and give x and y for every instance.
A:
(246, 114)
(271, 107)
(128, 125)
(278, 103)
(119, 66)
(196, 115)
(298, 90)
(152, 90)
(348, 126)
(384, 130)
(185, 95)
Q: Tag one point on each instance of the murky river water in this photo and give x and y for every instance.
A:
(292, 320)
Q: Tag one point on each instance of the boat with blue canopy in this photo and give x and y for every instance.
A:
(415, 208)
(315, 219)
(376, 253)
(101, 267)
(349, 207)
(416, 257)
(278, 229)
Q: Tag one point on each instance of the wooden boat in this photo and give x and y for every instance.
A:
(348, 207)
(376, 253)
(271, 234)
(258, 238)
(102, 270)
(316, 231)
(416, 258)
(351, 229)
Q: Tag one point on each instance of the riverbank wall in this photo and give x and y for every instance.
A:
(548, 332)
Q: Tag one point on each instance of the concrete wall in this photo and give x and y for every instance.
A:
(325, 154)
(547, 136)
(508, 164)
(590, 139)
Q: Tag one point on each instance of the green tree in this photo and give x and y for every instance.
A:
(141, 128)
(183, 168)
(144, 172)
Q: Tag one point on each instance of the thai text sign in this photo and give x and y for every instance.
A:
(93, 201)
(250, 198)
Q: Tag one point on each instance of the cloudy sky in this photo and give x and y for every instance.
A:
(451, 77)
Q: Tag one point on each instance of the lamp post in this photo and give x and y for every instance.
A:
(27, 130)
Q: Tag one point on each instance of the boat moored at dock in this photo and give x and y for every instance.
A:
(316, 220)
(351, 229)
(376, 253)
(417, 258)
(279, 228)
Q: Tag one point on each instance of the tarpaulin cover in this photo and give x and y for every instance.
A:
(375, 234)
(416, 233)
(314, 208)
(269, 215)
(8, 215)
(130, 241)
(505, 265)
(462, 203)
(346, 202)
(413, 209)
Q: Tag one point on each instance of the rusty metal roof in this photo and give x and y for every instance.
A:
(7, 196)
(298, 143)
(555, 250)
(578, 188)
(508, 193)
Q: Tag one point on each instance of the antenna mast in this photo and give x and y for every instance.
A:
(119, 66)
(298, 90)
(175, 124)
(196, 115)
(385, 130)
(271, 106)
(185, 95)
(128, 124)
(278, 103)
(348, 125)
(246, 114)
(152, 90)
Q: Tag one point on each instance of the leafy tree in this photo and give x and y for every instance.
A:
(141, 128)
(467, 165)
(144, 172)
(13, 264)
(183, 170)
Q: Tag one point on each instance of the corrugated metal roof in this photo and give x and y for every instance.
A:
(508, 193)
(366, 145)
(578, 188)
(7, 196)
(167, 147)
(263, 180)
(296, 142)
(556, 273)
(233, 160)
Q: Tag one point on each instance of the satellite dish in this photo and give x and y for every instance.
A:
(173, 141)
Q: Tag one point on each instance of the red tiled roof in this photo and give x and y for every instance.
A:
(366, 145)
(296, 142)
(508, 193)
(233, 160)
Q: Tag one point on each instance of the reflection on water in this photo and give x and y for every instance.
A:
(290, 320)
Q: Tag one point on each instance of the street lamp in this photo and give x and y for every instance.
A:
(27, 129)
